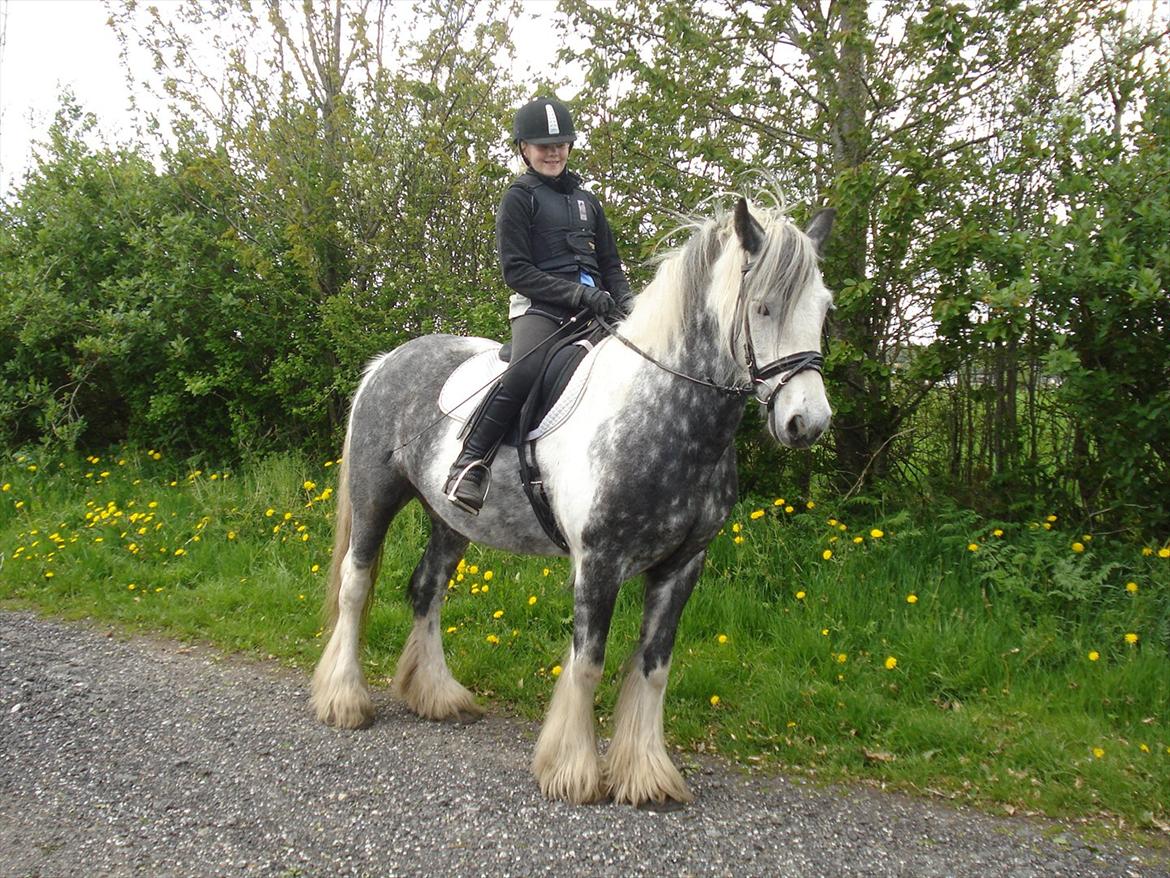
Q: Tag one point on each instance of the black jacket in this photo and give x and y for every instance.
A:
(547, 231)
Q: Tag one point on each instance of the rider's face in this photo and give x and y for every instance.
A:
(546, 158)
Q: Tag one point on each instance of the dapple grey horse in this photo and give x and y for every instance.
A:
(641, 478)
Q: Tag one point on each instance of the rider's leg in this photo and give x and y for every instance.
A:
(468, 480)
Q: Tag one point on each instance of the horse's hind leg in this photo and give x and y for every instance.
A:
(422, 678)
(638, 769)
(339, 694)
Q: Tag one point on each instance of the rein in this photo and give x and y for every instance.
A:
(786, 367)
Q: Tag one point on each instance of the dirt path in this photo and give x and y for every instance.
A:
(146, 757)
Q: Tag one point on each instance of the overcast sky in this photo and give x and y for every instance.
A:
(48, 45)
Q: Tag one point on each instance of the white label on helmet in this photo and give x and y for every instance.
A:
(553, 127)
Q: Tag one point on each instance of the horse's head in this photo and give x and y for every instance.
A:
(776, 330)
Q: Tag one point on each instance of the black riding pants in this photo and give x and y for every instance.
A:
(532, 336)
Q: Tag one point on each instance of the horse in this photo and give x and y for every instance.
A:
(641, 477)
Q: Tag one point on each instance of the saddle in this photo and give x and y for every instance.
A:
(554, 397)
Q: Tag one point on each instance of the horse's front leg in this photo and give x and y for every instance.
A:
(566, 763)
(638, 769)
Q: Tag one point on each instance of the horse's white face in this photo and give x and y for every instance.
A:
(799, 411)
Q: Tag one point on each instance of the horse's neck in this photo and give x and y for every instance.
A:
(698, 418)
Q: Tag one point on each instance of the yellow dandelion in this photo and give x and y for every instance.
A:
(714, 700)
(998, 532)
(1094, 655)
(487, 575)
(49, 574)
(891, 663)
(473, 569)
(824, 632)
(452, 629)
(1147, 551)
(1164, 552)
(269, 512)
(1131, 638)
(1098, 752)
(1145, 748)
(180, 552)
(758, 513)
(484, 589)
(497, 614)
(315, 568)
(309, 485)
(972, 547)
(827, 554)
(231, 535)
(876, 534)
(1078, 547)
(738, 539)
(1131, 587)
(842, 658)
(531, 599)
(832, 522)
(779, 501)
(911, 598)
(6, 487)
(789, 509)
(556, 670)
(545, 572)
(736, 528)
(131, 587)
(800, 595)
(858, 540)
(491, 638)
(722, 638)
(810, 505)
(1050, 519)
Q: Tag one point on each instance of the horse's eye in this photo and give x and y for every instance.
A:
(762, 309)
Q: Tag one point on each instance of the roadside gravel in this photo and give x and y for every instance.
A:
(148, 757)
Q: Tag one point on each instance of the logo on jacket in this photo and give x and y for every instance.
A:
(581, 209)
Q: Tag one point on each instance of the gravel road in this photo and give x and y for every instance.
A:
(148, 757)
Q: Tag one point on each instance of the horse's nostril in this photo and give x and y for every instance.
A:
(795, 425)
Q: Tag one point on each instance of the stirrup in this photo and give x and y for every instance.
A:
(454, 483)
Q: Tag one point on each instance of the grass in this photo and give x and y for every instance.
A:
(1017, 667)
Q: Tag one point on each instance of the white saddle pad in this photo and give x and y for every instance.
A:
(467, 385)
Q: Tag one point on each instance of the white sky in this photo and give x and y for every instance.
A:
(48, 45)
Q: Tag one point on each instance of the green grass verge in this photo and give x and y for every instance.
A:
(1017, 667)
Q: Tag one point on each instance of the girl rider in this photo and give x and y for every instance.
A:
(558, 256)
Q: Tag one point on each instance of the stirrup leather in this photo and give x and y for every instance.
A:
(453, 484)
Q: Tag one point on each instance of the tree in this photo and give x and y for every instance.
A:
(886, 111)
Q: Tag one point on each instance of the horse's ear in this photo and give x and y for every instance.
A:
(749, 232)
(819, 227)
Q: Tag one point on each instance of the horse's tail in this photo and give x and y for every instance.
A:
(342, 521)
(342, 524)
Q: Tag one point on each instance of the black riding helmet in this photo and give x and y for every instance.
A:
(544, 120)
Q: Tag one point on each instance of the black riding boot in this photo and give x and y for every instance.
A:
(470, 477)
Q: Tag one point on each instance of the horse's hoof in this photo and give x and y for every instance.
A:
(666, 806)
(465, 717)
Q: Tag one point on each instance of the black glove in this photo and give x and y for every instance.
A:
(598, 301)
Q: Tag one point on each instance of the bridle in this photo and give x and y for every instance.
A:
(786, 367)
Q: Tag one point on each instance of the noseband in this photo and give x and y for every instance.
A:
(786, 367)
